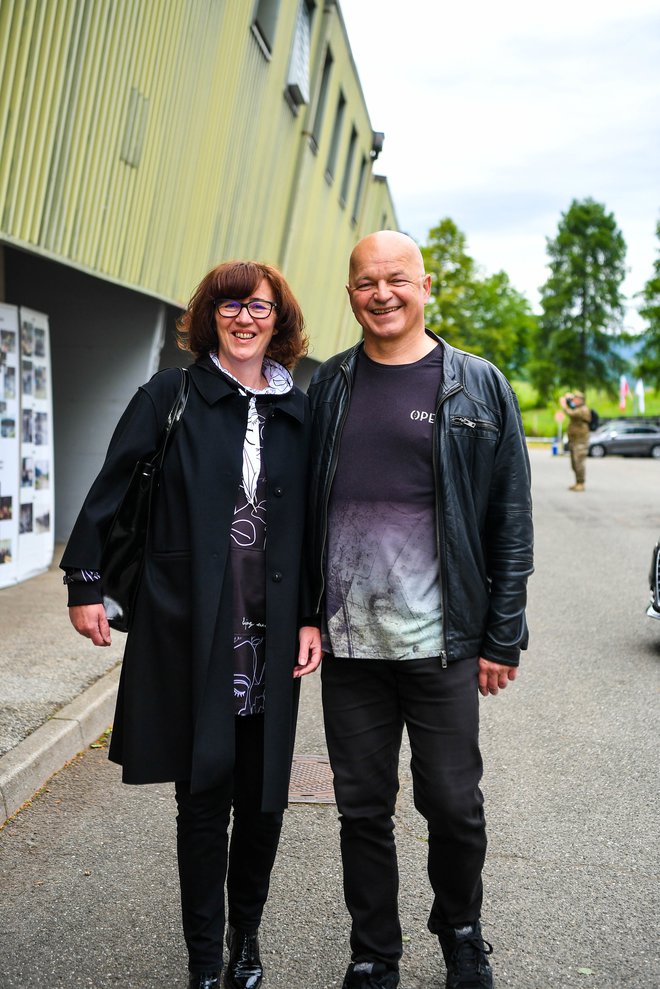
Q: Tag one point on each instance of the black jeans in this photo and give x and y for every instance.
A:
(366, 703)
(202, 825)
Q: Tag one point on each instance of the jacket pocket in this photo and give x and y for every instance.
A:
(467, 426)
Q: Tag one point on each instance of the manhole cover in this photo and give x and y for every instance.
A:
(311, 780)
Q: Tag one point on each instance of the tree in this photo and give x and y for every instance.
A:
(582, 303)
(648, 359)
(453, 271)
(482, 314)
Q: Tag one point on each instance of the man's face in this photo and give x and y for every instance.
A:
(388, 290)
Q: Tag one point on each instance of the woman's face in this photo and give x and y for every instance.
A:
(243, 339)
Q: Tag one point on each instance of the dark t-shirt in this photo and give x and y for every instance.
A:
(382, 581)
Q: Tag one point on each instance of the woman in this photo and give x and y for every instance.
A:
(207, 696)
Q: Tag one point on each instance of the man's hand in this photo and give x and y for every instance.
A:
(494, 677)
(309, 651)
(90, 620)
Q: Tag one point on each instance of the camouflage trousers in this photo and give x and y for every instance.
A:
(579, 450)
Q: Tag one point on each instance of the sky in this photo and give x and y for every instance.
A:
(499, 114)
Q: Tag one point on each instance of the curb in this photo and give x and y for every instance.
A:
(31, 763)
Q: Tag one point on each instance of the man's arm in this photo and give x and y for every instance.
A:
(509, 542)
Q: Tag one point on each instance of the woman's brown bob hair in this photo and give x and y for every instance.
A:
(239, 280)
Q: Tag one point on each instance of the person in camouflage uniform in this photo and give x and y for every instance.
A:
(579, 417)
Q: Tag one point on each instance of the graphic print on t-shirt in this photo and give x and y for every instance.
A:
(382, 584)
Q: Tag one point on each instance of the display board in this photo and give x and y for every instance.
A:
(9, 444)
(26, 445)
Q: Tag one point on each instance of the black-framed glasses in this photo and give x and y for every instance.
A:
(257, 308)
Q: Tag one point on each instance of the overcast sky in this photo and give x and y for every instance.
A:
(499, 114)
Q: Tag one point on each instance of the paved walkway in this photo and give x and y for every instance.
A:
(570, 752)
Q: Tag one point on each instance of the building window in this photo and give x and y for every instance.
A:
(359, 190)
(135, 128)
(322, 101)
(336, 136)
(348, 167)
(297, 84)
(264, 24)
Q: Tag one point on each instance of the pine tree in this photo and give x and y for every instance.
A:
(582, 302)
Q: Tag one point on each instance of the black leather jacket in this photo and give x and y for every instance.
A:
(484, 508)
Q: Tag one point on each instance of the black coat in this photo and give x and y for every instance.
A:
(175, 708)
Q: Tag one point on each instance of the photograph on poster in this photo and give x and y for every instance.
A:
(7, 341)
(10, 383)
(40, 382)
(6, 508)
(8, 429)
(39, 342)
(25, 518)
(42, 521)
(27, 338)
(27, 375)
(27, 472)
(41, 428)
(5, 551)
(27, 435)
(41, 475)
(3, 407)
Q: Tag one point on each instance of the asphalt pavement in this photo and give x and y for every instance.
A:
(88, 868)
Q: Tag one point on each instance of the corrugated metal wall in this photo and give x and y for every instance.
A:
(147, 140)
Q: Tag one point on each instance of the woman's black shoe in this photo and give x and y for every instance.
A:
(204, 980)
(243, 969)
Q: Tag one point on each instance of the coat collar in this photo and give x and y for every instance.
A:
(213, 386)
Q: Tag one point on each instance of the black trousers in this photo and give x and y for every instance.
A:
(202, 843)
(366, 704)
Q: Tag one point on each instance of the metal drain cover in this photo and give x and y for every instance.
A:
(311, 780)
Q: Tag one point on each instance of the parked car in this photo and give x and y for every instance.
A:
(634, 439)
(653, 610)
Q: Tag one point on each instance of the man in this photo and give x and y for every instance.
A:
(420, 547)
(579, 418)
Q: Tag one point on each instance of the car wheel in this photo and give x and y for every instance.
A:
(597, 450)
(655, 452)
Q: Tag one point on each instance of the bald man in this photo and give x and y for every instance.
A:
(420, 546)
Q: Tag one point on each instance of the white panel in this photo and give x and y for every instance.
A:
(9, 444)
(35, 521)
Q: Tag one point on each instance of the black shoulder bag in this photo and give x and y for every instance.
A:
(123, 552)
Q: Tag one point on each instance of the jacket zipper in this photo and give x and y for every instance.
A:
(439, 519)
(473, 423)
(328, 487)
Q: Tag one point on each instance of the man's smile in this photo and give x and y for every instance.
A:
(384, 312)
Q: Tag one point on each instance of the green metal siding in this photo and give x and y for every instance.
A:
(146, 140)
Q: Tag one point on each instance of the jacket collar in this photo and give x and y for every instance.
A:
(213, 386)
(452, 379)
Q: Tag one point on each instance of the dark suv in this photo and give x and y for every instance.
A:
(634, 439)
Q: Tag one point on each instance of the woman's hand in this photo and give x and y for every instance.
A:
(309, 651)
(90, 620)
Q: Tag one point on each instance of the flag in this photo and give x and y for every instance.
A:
(623, 392)
(639, 395)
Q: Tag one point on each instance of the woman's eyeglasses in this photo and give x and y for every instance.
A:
(257, 308)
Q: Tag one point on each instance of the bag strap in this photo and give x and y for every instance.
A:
(174, 417)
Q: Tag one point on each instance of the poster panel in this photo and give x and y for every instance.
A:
(9, 443)
(35, 511)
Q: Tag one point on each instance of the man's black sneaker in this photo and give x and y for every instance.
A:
(465, 953)
(370, 975)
